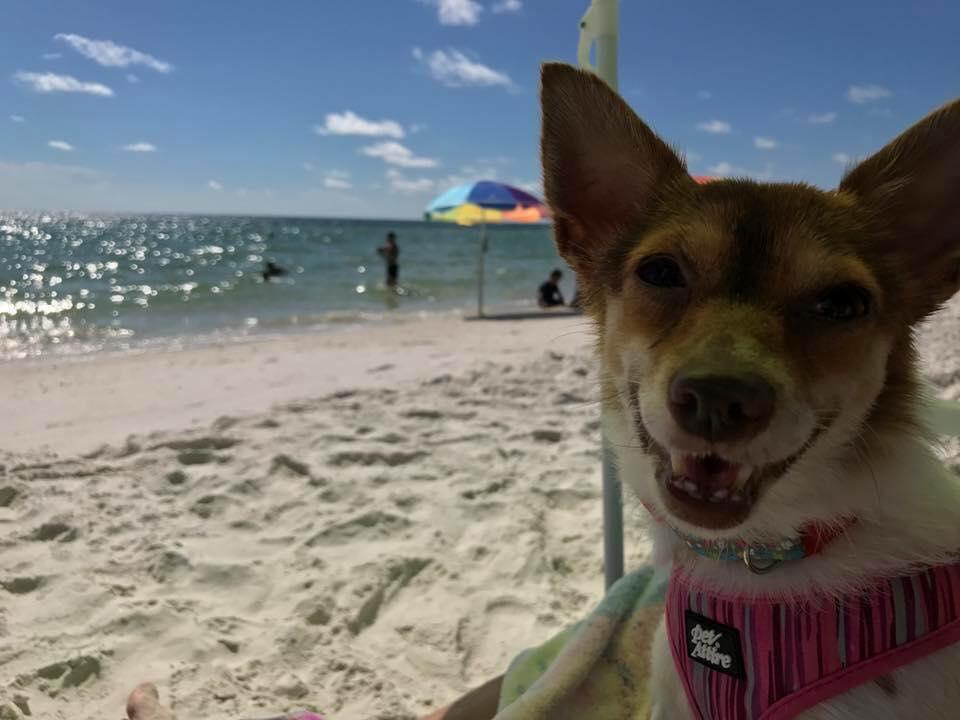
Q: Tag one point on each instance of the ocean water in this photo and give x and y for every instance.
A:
(82, 283)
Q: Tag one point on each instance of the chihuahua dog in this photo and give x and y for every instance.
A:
(763, 394)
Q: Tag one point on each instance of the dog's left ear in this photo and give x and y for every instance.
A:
(912, 190)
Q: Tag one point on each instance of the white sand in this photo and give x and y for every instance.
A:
(366, 522)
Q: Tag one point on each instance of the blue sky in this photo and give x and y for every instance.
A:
(371, 107)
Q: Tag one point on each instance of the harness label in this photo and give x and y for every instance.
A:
(714, 645)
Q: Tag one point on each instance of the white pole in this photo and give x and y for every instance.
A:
(601, 25)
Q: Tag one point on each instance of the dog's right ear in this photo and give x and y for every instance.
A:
(602, 166)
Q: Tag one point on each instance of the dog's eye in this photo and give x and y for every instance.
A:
(844, 302)
(661, 271)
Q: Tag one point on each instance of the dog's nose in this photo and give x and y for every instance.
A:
(721, 408)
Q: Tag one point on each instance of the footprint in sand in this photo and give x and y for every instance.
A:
(22, 585)
(168, 566)
(546, 435)
(224, 422)
(214, 442)
(406, 502)
(422, 414)
(393, 459)
(285, 463)
(176, 478)
(72, 673)
(370, 526)
(492, 488)
(196, 457)
(247, 486)
(209, 505)
(7, 495)
(399, 574)
(58, 531)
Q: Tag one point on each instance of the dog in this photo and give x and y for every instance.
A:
(762, 392)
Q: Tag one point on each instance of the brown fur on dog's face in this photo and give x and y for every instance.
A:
(809, 294)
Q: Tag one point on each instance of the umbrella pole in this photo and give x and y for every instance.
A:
(601, 25)
(483, 251)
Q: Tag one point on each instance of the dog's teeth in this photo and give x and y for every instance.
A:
(676, 462)
(720, 495)
(691, 488)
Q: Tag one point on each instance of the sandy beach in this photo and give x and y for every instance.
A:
(365, 522)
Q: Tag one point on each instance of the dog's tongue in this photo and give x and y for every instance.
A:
(710, 474)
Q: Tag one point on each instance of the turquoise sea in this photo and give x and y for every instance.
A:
(83, 283)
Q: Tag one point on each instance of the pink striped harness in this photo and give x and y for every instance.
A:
(771, 660)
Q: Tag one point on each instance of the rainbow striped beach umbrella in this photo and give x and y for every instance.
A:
(482, 203)
(487, 201)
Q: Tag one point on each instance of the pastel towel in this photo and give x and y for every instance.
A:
(598, 669)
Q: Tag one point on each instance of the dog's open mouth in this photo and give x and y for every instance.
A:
(708, 490)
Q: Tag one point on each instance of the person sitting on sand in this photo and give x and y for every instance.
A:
(271, 269)
(549, 294)
(390, 253)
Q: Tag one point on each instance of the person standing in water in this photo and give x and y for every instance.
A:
(391, 253)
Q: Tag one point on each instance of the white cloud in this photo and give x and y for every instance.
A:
(454, 69)
(402, 184)
(842, 158)
(725, 169)
(715, 127)
(704, 94)
(140, 147)
(17, 118)
(109, 54)
(822, 118)
(133, 79)
(763, 143)
(337, 181)
(860, 94)
(52, 56)
(456, 12)
(393, 153)
(60, 145)
(508, 6)
(214, 185)
(418, 128)
(349, 123)
(51, 82)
